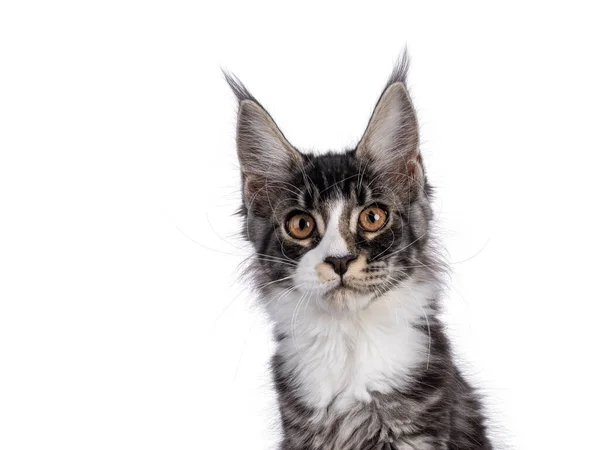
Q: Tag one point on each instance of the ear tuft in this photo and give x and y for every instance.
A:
(237, 87)
(400, 72)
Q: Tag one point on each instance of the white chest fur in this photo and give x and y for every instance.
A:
(342, 358)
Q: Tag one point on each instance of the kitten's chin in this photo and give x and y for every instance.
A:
(344, 299)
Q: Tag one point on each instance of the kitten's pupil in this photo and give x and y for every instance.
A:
(303, 224)
(373, 217)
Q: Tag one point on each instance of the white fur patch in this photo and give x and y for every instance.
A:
(332, 244)
(339, 358)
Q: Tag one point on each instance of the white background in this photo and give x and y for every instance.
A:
(122, 323)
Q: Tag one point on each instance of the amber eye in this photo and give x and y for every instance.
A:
(372, 218)
(300, 225)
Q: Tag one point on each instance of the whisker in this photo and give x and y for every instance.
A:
(293, 323)
(283, 294)
(237, 367)
(273, 260)
(337, 182)
(205, 246)
(226, 308)
(395, 252)
(218, 235)
(275, 281)
(388, 247)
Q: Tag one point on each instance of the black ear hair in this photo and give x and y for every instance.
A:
(239, 90)
(400, 72)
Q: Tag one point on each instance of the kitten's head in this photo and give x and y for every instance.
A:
(342, 228)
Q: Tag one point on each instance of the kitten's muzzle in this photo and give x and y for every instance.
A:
(340, 263)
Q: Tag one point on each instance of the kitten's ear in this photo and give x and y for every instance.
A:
(266, 157)
(391, 142)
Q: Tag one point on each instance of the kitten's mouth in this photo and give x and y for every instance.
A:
(335, 283)
(354, 286)
(344, 297)
(343, 286)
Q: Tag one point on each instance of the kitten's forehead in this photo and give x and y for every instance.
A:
(327, 179)
(335, 212)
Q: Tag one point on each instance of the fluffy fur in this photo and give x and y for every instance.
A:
(362, 361)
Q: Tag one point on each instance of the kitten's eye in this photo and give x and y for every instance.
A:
(372, 218)
(300, 225)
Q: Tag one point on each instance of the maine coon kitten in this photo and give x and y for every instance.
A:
(345, 266)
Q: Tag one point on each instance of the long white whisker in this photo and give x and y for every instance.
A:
(395, 252)
(283, 294)
(275, 281)
(293, 323)
(205, 246)
(219, 236)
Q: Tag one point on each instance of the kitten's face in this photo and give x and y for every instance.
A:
(341, 229)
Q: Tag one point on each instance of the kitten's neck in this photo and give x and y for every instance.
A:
(346, 356)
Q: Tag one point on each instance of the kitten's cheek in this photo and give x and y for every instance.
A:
(305, 278)
(325, 273)
(316, 280)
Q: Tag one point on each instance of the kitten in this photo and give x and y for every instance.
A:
(346, 269)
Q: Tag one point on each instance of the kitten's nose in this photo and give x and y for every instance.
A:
(340, 263)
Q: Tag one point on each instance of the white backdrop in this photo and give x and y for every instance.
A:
(122, 323)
